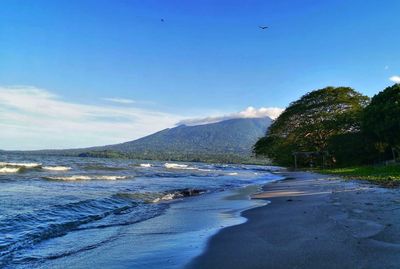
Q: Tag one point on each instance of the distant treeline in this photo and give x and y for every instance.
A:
(176, 156)
(156, 156)
(344, 126)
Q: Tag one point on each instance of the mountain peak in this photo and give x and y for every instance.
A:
(228, 137)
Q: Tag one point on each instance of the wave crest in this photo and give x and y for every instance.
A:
(178, 194)
(85, 177)
(178, 166)
(24, 165)
(56, 168)
(9, 170)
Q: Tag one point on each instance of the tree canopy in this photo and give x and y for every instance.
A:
(381, 119)
(309, 123)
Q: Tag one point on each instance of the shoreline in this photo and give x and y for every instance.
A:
(191, 222)
(313, 221)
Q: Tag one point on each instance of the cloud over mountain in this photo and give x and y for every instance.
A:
(250, 112)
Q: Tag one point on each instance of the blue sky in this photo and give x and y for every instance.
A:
(206, 58)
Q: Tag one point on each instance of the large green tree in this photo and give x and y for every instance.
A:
(381, 119)
(309, 123)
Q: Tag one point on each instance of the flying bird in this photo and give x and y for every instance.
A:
(263, 27)
(162, 20)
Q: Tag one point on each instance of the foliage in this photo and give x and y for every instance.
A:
(195, 157)
(351, 149)
(381, 118)
(385, 175)
(309, 123)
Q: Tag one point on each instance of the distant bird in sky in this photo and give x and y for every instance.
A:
(263, 27)
(162, 20)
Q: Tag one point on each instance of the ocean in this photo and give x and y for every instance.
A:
(70, 212)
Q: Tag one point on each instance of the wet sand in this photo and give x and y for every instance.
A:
(313, 221)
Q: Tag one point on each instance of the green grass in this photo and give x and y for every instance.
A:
(385, 175)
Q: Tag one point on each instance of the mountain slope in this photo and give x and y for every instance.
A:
(235, 136)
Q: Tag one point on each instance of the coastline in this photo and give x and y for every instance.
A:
(313, 221)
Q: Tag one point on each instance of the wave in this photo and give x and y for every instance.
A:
(9, 170)
(178, 166)
(145, 165)
(85, 177)
(24, 165)
(180, 175)
(59, 220)
(102, 167)
(156, 197)
(232, 174)
(178, 194)
(56, 168)
(147, 197)
(206, 170)
(7, 167)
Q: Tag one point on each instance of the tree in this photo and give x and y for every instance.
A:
(308, 123)
(381, 118)
(352, 149)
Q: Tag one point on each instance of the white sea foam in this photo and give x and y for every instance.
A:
(178, 166)
(167, 197)
(233, 174)
(110, 177)
(145, 165)
(84, 177)
(25, 165)
(205, 170)
(175, 166)
(70, 178)
(57, 168)
(9, 170)
(178, 194)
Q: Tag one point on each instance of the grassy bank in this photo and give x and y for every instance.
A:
(385, 175)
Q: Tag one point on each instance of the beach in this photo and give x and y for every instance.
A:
(313, 221)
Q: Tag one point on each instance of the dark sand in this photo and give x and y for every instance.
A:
(313, 221)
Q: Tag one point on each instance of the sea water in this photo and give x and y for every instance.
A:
(64, 212)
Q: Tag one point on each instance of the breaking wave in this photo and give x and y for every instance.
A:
(178, 166)
(13, 167)
(178, 194)
(156, 197)
(9, 170)
(56, 168)
(59, 220)
(24, 165)
(101, 167)
(84, 177)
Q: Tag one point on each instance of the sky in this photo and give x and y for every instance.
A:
(76, 73)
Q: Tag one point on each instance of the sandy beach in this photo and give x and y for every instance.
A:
(313, 221)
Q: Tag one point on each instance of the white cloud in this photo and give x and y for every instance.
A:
(395, 79)
(120, 100)
(33, 118)
(250, 112)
